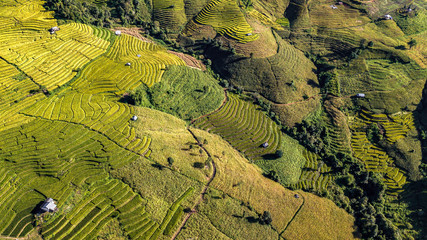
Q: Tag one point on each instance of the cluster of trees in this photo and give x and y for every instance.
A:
(124, 12)
(373, 133)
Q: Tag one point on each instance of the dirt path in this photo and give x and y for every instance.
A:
(14, 238)
(223, 103)
(296, 213)
(200, 200)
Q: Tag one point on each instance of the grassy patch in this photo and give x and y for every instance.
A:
(309, 222)
(184, 92)
(200, 226)
(289, 166)
(234, 220)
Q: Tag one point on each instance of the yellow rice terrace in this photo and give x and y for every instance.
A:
(213, 119)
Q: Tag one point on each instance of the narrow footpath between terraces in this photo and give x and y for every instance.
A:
(200, 200)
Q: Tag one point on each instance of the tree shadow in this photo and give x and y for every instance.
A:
(37, 209)
(158, 166)
(415, 193)
(127, 99)
(252, 219)
(270, 156)
(312, 83)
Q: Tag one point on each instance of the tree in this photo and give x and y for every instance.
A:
(279, 153)
(170, 161)
(266, 218)
(412, 43)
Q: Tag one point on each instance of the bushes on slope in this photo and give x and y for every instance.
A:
(128, 11)
(184, 92)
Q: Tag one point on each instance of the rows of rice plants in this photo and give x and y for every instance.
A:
(107, 199)
(396, 126)
(337, 136)
(387, 76)
(323, 15)
(315, 175)
(244, 126)
(14, 95)
(64, 145)
(49, 159)
(170, 13)
(50, 60)
(95, 112)
(375, 158)
(227, 19)
(333, 85)
(15, 214)
(111, 73)
(264, 19)
(136, 222)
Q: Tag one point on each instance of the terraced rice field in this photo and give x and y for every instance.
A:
(315, 175)
(227, 19)
(386, 76)
(244, 126)
(323, 15)
(109, 73)
(375, 158)
(14, 95)
(48, 59)
(170, 13)
(339, 141)
(95, 112)
(63, 145)
(107, 199)
(264, 19)
(49, 158)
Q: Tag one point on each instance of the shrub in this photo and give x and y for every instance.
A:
(199, 165)
(170, 161)
(266, 218)
(412, 43)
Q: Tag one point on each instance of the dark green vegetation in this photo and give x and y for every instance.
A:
(184, 92)
(321, 96)
(104, 13)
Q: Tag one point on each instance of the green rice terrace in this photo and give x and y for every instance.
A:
(213, 119)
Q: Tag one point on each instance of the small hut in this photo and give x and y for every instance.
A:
(48, 205)
(388, 17)
(118, 33)
(53, 30)
(134, 118)
(360, 95)
(128, 64)
(139, 55)
(248, 34)
(296, 196)
(264, 145)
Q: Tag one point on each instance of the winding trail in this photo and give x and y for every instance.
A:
(211, 178)
(296, 213)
